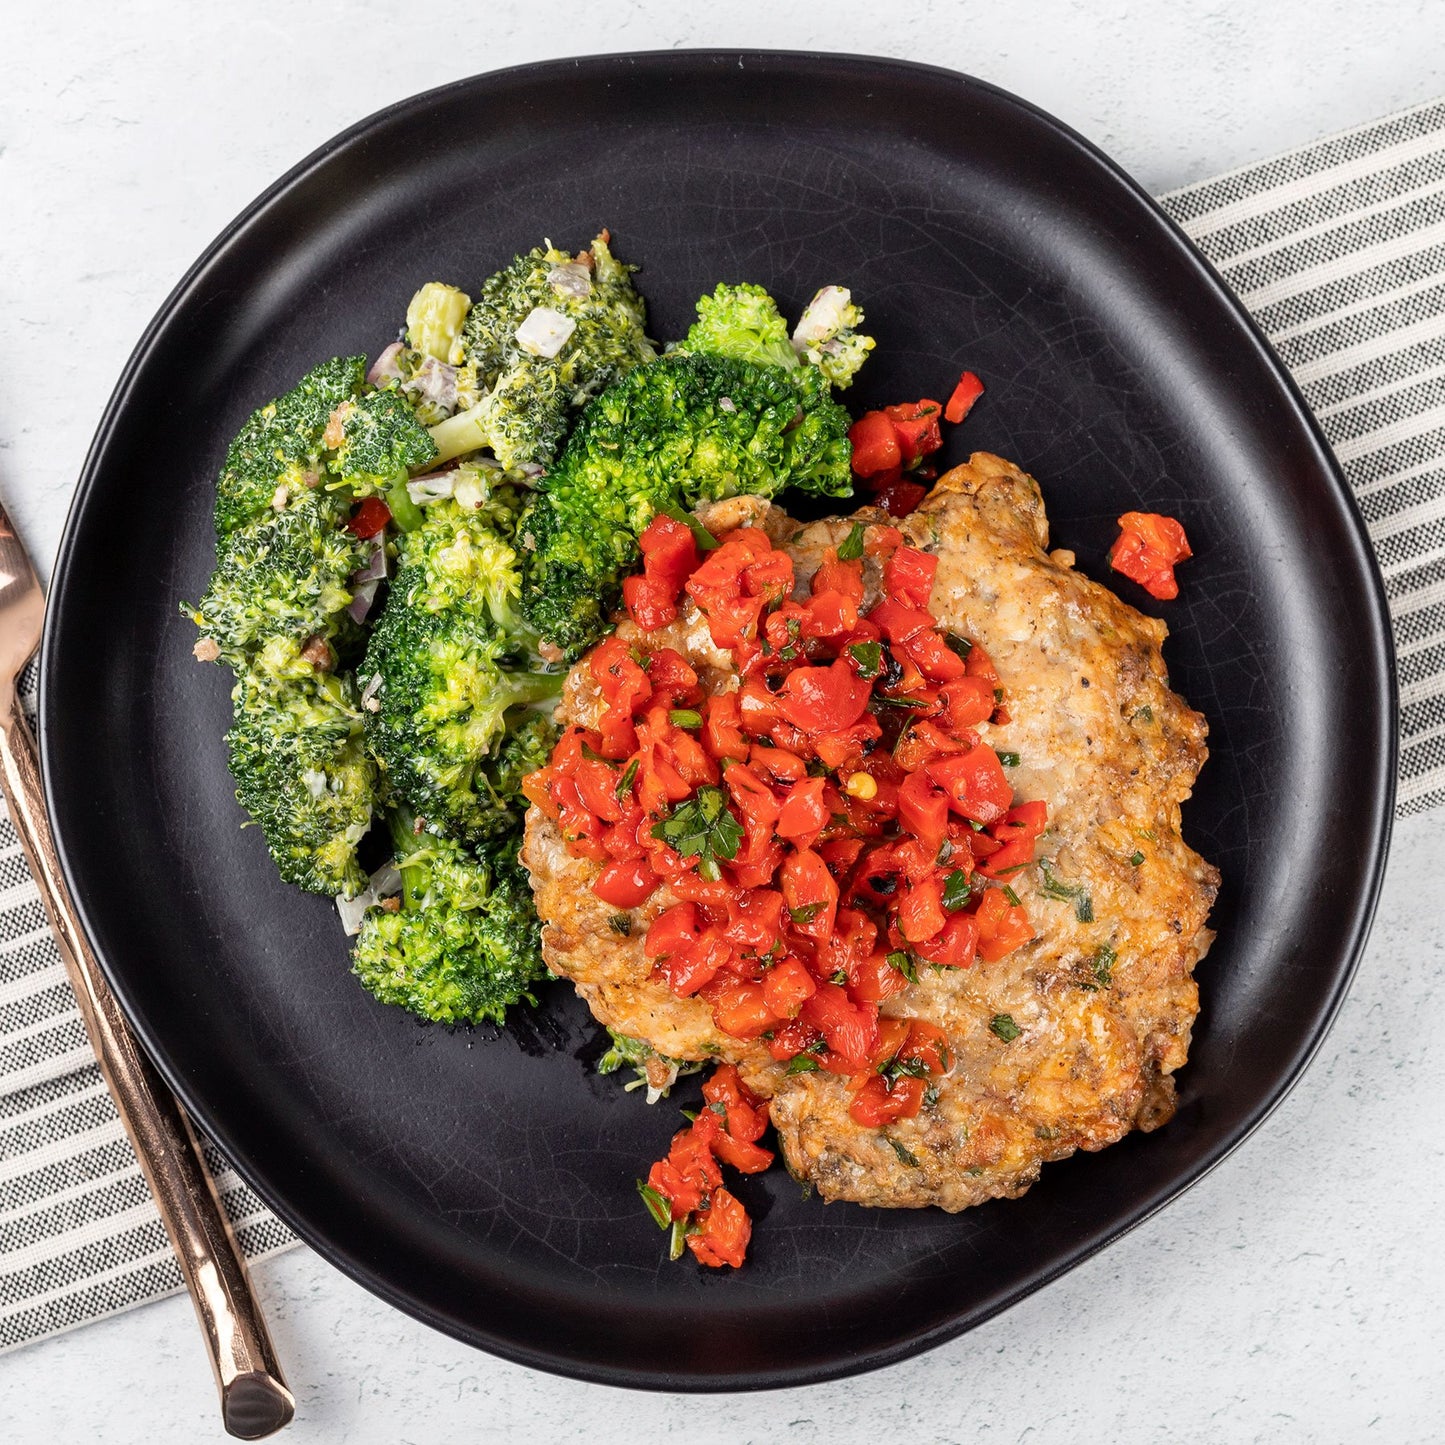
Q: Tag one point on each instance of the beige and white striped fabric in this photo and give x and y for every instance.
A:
(1338, 250)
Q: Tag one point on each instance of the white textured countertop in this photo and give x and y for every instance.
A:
(1298, 1293)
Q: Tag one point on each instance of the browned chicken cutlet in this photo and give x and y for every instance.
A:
(1071, 1040)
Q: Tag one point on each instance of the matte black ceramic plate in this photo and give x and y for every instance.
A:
(486, 1183)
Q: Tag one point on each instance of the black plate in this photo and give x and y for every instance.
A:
(486, 1183)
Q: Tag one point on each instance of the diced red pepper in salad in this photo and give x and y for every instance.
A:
(370, 518)
(1147, 551)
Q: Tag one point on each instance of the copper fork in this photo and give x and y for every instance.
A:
(254, 1398)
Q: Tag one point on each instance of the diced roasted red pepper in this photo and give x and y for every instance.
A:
(968, 391)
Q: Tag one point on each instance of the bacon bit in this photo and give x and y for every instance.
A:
(334, 434)
(207, 649)
(317, 652)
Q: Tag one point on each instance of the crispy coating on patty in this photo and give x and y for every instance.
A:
(1099, 1009)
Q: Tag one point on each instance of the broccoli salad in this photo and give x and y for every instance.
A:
(410, 551)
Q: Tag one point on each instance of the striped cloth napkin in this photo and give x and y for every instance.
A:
(1338, 249)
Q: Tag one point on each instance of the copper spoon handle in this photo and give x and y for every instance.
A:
(254, 1397)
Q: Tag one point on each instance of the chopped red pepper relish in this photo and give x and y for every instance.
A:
(1149, 545)
(826, 829)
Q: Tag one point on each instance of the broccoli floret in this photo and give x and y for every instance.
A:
(459, 673)
(585, 326)
(434, 321)
(277, 454)
(466, 944)
(742, 322)
(827, 335)
(301, 768)
(286, 575)
(381, 439)
(683, 430)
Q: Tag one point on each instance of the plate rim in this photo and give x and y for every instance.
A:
(1382, 794)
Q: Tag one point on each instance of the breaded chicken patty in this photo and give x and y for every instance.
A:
(1070, 1041)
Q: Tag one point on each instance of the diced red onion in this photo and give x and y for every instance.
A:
(433, 487)
(384, 883)
(545, 332)
(376, 565)
(361, 601)
(571, 279)
(435, 382)
(385, 367)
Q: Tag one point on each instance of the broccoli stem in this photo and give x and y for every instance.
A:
(464, 432)
(415, 877)
(404, 512)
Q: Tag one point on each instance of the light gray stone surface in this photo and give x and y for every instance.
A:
(1298, 1293)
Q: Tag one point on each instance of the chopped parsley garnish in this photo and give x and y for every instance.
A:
(804, 914)
(657, 1206)
(896, 1068)
(593, 756)
(802, 1064)
(851, 547)
(685, 717)
(624, 783)
(1104, 960)
(900, 701)
(901, 960)
(1145, 714)
(930, 1096)
(905, 1156)
(960, 645)
(1009, 760)
(957, 890)
(1004, 1026)
(1136, 859)
(620, 924)
(869, 657)
(1054, 887)
(1012, 897)
(703, 828)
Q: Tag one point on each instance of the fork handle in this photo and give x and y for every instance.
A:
(254, 1398)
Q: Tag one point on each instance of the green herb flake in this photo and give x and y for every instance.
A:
(705, 540)
(703, 828)
(900, 701)
(1004, 1026)
(805, 914)
(1145, 714)
(902, 961)
(1135, 859)
(593, 756)
(624, 783)
(1009, 760)
(1012, 897)
(1104, 960)
(930, 1096)
(956, 644)
(620, 924)
(957, 890)
(802, 1064)
(657, 1206)
(1084, 908)
(869, 657)
(905, 1156)
(851, 547)
(685, 717)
